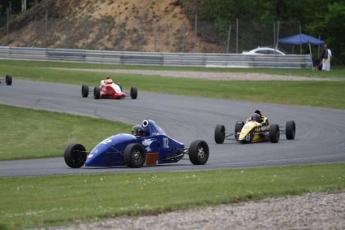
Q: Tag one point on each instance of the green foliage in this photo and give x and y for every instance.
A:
(16, 5)
(316, 17)
(335, 31)
(326, 23)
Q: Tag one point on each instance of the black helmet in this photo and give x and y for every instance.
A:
(258, 112)
(138, 131)
(256, 117)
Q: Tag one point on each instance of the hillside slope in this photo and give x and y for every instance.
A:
(128, 25)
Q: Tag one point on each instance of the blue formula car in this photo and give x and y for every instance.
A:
(147, 145)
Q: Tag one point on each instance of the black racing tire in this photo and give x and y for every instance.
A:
(219, 134)
(198, 152)
(238, 127)
(134, 92)
(96, 92)
(134, 155)
(290, 130)
(75, 155)
(8, 80)
(274, 133)
(84, 90)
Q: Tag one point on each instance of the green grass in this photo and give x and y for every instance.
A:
(47, 134)
(304, 93)
(59, 200)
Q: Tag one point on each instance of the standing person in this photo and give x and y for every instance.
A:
(326, 59)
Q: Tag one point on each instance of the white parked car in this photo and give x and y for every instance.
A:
(263, 51)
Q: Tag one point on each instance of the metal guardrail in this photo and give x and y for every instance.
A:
(157, 59)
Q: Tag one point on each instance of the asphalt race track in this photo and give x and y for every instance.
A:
(319, 132)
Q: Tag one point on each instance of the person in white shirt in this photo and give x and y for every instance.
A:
(326, 59)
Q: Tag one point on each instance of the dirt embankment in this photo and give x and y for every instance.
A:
(124, 25)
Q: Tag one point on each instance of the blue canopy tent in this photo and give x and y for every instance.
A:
(301, 39)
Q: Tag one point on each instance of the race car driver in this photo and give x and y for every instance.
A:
(139, 131)
(108, 80)
(258, 117)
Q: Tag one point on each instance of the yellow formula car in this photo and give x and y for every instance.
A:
(252, 131)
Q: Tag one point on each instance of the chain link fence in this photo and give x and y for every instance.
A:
(43, 30)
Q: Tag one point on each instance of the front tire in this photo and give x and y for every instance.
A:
(96, 92)
(219, 134)
(84, 90)
(8, 80)
(134, 155)
(134, 92)
(198, 152)
(238, 127)
(75, 155)
(274, 133)
(290, 130)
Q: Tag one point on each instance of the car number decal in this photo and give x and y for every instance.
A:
(165, 143)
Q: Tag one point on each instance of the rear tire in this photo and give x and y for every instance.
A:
(238, 127)
(8, 80)
(134, 92)
(96, 92)
(84, 90)
(290, 130)
(198, 152)
(274, 133)
(75, 155)
(219, 134)
(134, 155)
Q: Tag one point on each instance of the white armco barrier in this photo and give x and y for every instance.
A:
(157, 59)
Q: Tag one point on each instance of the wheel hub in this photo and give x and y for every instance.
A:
(136, 156)
(201, 152)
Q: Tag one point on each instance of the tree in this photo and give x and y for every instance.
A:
(328, 24)
(334, 30)
(16, 5)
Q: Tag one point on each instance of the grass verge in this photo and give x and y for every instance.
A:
(59, 200)
(47, 134)
(304, 93)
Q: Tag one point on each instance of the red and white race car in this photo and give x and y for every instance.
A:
(8, 80)
(108, 89)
